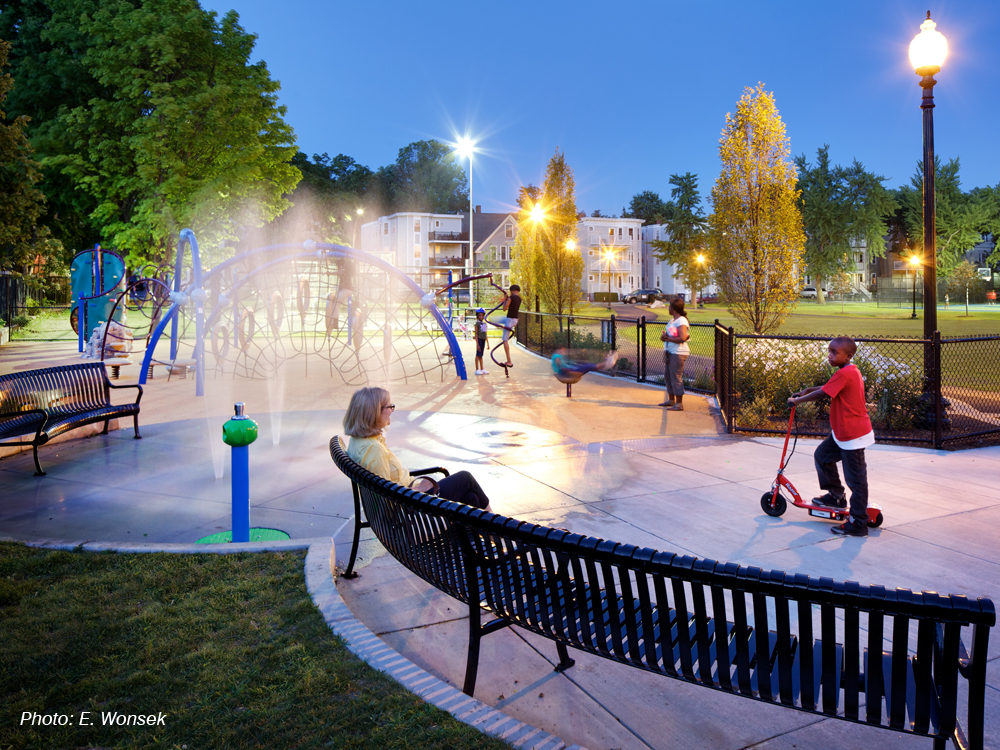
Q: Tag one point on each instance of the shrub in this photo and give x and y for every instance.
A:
(32, 306)
(19, 321)
(704, 382)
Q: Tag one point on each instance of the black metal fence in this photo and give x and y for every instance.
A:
(636, 340)
(941, 392)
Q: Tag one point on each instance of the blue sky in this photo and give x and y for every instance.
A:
(632, 92)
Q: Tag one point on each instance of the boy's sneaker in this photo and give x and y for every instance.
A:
(830, 500)
(851, 528)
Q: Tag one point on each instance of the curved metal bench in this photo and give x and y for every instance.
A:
(55, 400)
(765, 635)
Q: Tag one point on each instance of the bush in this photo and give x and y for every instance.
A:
(32, 306)
(19, 321)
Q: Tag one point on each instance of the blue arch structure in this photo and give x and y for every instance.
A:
(195, 293)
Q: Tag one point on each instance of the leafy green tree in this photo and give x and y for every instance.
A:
(686, 238)
(425, 177)
(21, 203)
(48, 60)
(840, 284)
(840, 207)
(649, 207)
(757, 242)
(961, 219)
(528, 196)
(526, 257)
(963, 279)
(186, 131)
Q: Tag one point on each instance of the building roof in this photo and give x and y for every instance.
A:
(484, 225)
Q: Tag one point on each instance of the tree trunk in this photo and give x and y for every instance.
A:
(966, 301)
(820, 299)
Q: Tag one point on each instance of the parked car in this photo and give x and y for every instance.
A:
(644, 295)
(810, 292)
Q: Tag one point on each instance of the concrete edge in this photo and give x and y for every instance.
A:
(362, 642)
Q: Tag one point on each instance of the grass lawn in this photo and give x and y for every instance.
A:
(229, 647)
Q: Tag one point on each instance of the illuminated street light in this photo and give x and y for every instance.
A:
(914, 263)
(570, 245)
(609, 255)
(466, 148)
(701, 262)
(537, 213)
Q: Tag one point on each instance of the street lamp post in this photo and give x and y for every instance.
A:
(701, 264)
(927, 53)
(466, 147)
(608, 255)
(914, 262)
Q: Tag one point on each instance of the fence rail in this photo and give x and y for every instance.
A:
(942, 391)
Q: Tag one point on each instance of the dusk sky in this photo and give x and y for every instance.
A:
(632, 92)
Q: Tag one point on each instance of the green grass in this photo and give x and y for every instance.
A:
(229, 647)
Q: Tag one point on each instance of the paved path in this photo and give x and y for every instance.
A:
(608, 463)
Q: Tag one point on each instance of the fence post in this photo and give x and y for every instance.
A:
(641, 365)
(614, 336)
(541, 335)
(569, 338)
(729, 382)
(938, 415)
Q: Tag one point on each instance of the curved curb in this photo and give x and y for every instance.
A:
(362, 642)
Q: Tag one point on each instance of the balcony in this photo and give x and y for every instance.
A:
(447, 236)
(454, 261)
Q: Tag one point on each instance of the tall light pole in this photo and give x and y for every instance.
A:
(701, 264)
(914, 263)
(609, 254)
(927, 53)
(466, 147)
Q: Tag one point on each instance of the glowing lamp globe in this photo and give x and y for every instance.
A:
(914, 261)
(465, 147)
(928, 49)
(537, 214)
(570, 245)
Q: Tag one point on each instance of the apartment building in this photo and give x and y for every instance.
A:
(612, 254)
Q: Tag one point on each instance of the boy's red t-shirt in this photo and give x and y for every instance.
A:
(848, 415)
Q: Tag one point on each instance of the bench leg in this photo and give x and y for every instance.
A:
(135, 423)
(38, 466)
(349, 573)
(564, 661)
(105, 430)
(472, 660)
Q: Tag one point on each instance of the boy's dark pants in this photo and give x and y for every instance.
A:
(855, 473)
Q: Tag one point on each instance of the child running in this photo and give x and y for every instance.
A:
(851, 432)
(480, 341)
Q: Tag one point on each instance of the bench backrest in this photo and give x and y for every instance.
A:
(57, 390)
(813, 644)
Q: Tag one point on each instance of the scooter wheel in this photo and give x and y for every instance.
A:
(877, 522)
(780, 504)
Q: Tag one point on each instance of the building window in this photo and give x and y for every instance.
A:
(611, 231)
(619, 231)
(631, 233)
(590, 253)
(590, 229)
(416, 225)
(416, 251)
(385, 228)
(503, 252)
(436, 223)
(508, 231)
(393, 226)
(591, 277)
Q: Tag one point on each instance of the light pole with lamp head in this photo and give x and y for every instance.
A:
(914, 263)
(466, 147)
(609, 255)
(927, 53)
(537, 216)
(701, 264)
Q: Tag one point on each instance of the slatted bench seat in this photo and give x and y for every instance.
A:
(887, 658)
(55, 400)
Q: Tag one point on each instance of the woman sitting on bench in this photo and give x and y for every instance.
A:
(368, 414)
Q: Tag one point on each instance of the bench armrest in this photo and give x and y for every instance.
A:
(432, 470)
(23, 412)
(129, 385)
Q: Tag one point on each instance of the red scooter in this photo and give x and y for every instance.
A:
(774, 504)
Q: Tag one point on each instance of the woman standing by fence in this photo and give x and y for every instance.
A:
(676, 351)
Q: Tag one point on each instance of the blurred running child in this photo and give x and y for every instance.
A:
(850, 433)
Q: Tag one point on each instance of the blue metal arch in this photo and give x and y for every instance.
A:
(309, 249)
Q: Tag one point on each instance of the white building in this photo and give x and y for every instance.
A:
(612, 254)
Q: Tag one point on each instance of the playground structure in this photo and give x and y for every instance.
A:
(350, 313)
(452, 320)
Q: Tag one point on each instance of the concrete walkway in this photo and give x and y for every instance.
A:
(608, 463)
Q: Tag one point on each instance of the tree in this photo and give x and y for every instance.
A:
(596, 214)
(840, 284)
(963, 278)
(961, 220)
(425, 177)
(526, 257)
(840, 207)
(528, 196)
(649, 207)
(560, 268)
(486, 294)
(21, 203)
(684, 241)
(756, 229)
(186, 131)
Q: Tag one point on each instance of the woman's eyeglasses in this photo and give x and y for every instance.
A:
(391, 407)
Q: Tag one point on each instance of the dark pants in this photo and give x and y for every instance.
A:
(462, 487)
(855, 473)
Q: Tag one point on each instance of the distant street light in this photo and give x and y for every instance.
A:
(609, 254)
(537, 213)
(914, 264)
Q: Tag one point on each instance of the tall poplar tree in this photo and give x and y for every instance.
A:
(561, 268)
(756, 228)
(840, 207)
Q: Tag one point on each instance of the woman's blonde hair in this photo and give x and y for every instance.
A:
(365, 411)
